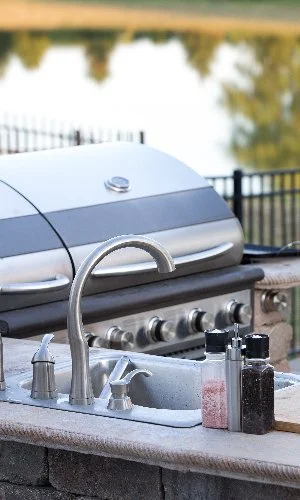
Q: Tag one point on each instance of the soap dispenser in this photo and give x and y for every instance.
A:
(43, 382)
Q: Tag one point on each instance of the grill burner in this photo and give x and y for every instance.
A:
(175, 325)
(131, 310)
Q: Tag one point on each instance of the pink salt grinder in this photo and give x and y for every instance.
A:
(213, 377)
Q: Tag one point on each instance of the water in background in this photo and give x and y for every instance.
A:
(215, 102)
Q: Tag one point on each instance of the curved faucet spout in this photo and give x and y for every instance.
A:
(81, 387)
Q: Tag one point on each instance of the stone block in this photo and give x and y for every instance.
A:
(282, 366)
(271, 318)
(23, 463)
(280, 340)
(105, 478)
(187, 486)
(19, 492)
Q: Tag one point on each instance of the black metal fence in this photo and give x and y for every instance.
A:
(268, 207)
(26, 136)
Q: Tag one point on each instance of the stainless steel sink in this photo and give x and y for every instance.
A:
(175, 384)
(171, 396)
(283, 380)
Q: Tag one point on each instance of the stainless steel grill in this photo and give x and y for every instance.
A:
(58, 205)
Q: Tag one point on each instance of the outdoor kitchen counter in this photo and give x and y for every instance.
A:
(282, 274)
(104, 457)
(279, 273)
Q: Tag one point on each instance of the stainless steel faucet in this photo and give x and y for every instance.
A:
(81, 387)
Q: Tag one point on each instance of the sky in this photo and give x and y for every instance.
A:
(150, 87)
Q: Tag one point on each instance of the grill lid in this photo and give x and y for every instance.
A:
(82, 176)
(34, 263)
(88, 194)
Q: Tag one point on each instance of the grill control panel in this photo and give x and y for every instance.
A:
(176, 330)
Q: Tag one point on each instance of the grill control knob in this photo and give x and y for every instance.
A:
(236, 312)
(272, 300)
(160, 330)
(199, 321)
(93, 340)
(116, 338)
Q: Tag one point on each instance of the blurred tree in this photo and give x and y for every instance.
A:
(30, 48)
(5, 50)
(127, 36)
(266, 108)
(98, 51)
(157, 37)
(200, 49)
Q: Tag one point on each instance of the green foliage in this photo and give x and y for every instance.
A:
(267, 111)
(6, 43)
(200, 50)
(30, 48)
(98, 51)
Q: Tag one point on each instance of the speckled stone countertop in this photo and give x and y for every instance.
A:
(279, 273)
(273, 457)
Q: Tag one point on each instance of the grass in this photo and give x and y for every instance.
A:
(183, 3)
(214, 16)
(266, 9)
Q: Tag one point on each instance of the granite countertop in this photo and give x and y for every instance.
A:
(273, 457)
(279, 272)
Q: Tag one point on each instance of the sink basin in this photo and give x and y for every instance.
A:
(171, 396)
(174, 385)
(283, 380)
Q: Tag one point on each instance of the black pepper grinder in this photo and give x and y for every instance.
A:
(257, 386)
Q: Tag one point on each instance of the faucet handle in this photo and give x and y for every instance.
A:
(43, 354)
(43, 380)
(119, 399)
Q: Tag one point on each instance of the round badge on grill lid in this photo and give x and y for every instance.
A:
(119, 184)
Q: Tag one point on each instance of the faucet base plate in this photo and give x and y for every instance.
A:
(170, 418)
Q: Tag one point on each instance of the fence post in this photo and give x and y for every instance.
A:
(238, 195)
(77, 137)
(142, 137)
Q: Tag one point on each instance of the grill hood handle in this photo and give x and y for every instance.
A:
(142, 267)
(59, 282)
